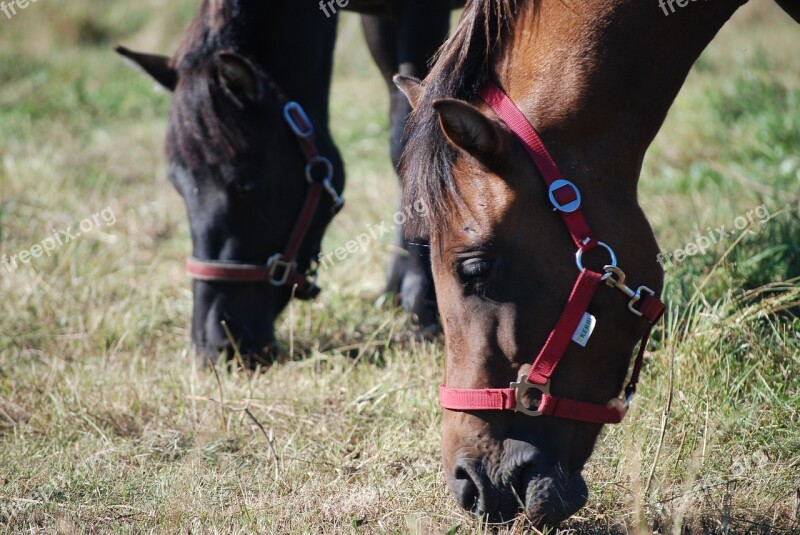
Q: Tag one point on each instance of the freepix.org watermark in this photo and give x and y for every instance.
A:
(10, 7)
(58, 238)
(704, 242)
(373, 234)
(329, 7)
(663, 4)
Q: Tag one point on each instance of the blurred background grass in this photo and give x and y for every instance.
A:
(105, 425)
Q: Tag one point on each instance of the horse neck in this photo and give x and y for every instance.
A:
(600, 76)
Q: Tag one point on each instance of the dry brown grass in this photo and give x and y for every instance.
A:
(106, 425)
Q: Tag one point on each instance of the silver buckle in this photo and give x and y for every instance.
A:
(579, 256)
(289, 112)
(319, 160)
(619, 283)
(569, 207)
(638, 297)
(522, 386)
(338, 200)
(273, 264)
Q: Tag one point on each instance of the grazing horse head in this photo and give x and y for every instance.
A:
(250, 153)
(526, 143)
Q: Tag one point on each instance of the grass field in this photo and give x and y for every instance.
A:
(106, 425)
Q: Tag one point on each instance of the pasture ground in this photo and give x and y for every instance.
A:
(107, 426)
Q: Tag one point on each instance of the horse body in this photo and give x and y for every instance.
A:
(596, 80)
(236, 162)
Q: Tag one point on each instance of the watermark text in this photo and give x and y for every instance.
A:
(10, 7)
(329, 7)
(373, 234)
(664, 4)
(58, 238)
(713, 236)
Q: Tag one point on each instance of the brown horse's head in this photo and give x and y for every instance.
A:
(238, 164)
(504, 264)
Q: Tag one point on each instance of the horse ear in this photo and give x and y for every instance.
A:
(158, 67)
(239, 77)
(469, 129)
(411, 87)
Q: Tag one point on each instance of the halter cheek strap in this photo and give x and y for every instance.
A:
(566, 199)
(281, 268)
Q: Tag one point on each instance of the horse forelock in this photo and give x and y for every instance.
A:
(205, 128)
(461, 67)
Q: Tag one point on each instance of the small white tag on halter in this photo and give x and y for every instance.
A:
(584, 330)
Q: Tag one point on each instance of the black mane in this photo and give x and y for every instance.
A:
(206, 128)
(461, 67)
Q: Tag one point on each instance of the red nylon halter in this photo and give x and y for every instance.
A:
(281, 268)
(566, 198)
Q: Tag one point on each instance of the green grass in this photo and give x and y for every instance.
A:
(107, 426)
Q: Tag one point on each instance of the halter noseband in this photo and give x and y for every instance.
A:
(281, 268)
(575, 322)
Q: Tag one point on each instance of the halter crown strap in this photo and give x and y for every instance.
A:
(566, 198)
(564, 195)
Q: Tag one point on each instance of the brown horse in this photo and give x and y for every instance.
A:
(530, 100)
(251, 153)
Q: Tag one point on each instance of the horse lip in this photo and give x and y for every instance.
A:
(568, 493)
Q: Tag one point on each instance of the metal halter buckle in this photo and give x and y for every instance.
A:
(619, 283)
(273, 264)
(327, 180)
(579, 256)
(522, 386)
(570, 206)
(338, 200)
(294, 111)
(319, 161)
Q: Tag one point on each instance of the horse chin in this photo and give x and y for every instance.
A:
(551, 500)
(249, 357)
(213, 346)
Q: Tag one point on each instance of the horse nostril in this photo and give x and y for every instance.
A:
(464, 489)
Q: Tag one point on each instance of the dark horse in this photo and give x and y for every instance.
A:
(250, 152)
(531, 107)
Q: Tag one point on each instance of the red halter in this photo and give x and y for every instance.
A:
(281, 268)
(566, 199)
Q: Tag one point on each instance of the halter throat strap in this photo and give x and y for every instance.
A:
(566, 199)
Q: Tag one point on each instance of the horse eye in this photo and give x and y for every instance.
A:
(245, 188)
(472, 270)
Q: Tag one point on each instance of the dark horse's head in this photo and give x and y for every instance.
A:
(250, 81)
(538, 335)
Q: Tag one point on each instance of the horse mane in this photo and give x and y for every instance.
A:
(205, 128)
(461, 67)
